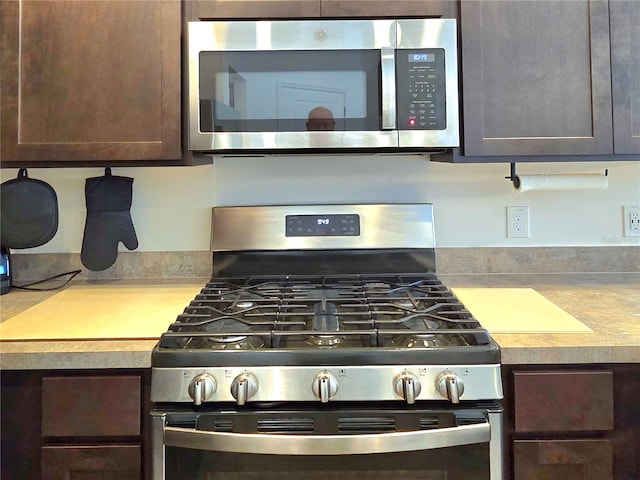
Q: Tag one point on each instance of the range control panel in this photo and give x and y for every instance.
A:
(336, 225)
(421, 89)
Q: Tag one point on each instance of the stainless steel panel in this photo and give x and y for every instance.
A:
(429, 138)
(355, 383)
(496, 445)
(290, 140)
(436, 33)
(326, 444)
(381, 226)
(431, 33)
(388, 67)
(291, 35)
(158, 451)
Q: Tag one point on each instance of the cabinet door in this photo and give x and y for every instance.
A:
(536, 78)
(625, 71)
(107, 462)
(227, 9)
(90, 81)
(91, 406)
(568, 401)
(563, 460)
(389, 8)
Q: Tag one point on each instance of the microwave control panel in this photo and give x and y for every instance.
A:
(420, 79)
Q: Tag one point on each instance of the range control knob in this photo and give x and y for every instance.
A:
(243, 387)
(407, 386)
(450, 386)
(201, 388)
(325, 386)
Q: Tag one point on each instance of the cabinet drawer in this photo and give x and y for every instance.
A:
(91, 406)
(563, 459)
(563, 401)
(122, 462)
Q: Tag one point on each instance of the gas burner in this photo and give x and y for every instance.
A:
(325, 319)
(221, 333)
(228, 329)
(324, 341)
(243, 305)
(226, 343)
(425, 333)
(426, 340)
(420, 323)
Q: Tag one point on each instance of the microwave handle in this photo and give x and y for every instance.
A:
(277, 444)
(388, 70)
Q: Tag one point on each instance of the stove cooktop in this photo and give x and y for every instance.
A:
(306, 303)
(325, 320)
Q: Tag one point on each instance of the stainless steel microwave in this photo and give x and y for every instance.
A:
(322, 85)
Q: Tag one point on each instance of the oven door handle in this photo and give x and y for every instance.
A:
(282, 444)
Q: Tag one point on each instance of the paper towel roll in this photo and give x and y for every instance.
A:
(525, 183)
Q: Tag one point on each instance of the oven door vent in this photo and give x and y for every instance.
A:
(216, 425)
(366, 424)
(470, 418)
(429, 423)
(286, 425)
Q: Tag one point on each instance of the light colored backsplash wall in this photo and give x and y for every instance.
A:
(172, 205)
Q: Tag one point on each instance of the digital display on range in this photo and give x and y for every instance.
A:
(340, 225)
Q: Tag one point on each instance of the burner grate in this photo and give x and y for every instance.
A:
(325, 312)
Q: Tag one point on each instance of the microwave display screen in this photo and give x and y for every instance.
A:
(289, 91)
(422, 57)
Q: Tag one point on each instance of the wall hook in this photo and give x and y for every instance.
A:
(513, 177)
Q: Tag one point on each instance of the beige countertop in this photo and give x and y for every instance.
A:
(607, 303)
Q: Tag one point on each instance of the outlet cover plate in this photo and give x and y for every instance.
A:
(631, 220)
(518, 222)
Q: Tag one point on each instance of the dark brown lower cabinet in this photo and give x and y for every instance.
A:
(562, 422)
(75, 425)
(104, 462)
(563, 459)
(572, 422)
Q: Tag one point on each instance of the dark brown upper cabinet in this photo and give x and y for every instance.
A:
(274, 9)
(90, 82)
(392, 8)
(537, 80)
(238, 9)
(625, 71)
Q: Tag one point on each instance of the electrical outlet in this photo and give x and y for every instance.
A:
(518, 222)
(631, 220)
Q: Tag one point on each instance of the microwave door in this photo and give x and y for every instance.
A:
(245, 96)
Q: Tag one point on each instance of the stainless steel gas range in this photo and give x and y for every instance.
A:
(325, 346)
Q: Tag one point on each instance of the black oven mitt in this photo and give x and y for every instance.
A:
(108, 220)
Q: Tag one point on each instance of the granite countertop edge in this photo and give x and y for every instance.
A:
(609, 303)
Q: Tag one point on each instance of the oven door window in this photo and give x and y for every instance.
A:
(290, 91)
(469, 462)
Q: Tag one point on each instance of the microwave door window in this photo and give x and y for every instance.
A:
(290, 91)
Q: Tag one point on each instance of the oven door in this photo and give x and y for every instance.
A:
(289, 85)
(465, 444)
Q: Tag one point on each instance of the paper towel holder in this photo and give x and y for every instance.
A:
(516, 181)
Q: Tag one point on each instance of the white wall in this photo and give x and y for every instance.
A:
(172, 205)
